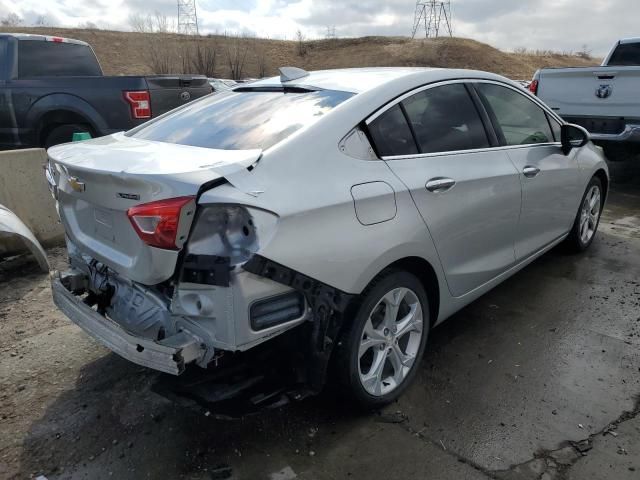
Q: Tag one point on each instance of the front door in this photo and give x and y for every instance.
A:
(467, 192)
(549, 178)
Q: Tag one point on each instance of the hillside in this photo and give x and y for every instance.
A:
(128, 53)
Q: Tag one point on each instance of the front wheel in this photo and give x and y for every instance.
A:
(587, 220)
(379, 353)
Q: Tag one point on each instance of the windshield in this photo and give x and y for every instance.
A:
(242, 120)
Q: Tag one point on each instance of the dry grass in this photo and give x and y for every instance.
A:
(128, 53)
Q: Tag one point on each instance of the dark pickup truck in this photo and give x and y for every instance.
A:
(52, 87)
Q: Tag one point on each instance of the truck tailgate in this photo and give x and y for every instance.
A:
(170, 91)
(592, 92)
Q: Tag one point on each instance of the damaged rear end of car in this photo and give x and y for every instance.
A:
(160, 273)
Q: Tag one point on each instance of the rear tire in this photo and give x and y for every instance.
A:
(64, 133)
(587, 219)
(379, 352)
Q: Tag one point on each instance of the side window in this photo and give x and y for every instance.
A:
(391, 134)
(445, 119)
(555, 127)
(522, 121)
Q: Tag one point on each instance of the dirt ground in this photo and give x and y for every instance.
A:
(539, 379)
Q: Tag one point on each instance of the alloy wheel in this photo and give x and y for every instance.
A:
(390, 341)
(590, 214)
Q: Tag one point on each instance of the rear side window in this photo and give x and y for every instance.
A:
(391, 134)
(521, 121)
(242, 120)
(55, 59)
(445, 119)
(626, 54)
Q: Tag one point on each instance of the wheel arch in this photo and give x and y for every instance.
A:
(60, 109)
(425, 272)
(604, 179)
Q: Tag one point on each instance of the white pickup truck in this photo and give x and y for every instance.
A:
(605, 100)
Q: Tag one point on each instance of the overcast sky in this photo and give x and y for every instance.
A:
(557, 24)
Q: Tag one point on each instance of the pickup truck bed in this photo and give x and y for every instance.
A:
(51, 87)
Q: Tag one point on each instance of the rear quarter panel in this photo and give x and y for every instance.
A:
(307, 182)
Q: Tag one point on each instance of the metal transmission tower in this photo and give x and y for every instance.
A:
(432, 15)
(187, 17)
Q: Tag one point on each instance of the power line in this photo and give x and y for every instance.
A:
(187, 17)
(432, 15)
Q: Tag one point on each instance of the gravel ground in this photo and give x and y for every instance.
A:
(538, 379)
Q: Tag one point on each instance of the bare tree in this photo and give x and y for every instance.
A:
(160, 58)
(11, 20)
(138, 22)
(585, 52)
(160, 22)
(302, 43)
(236, 49)
(204, 58)
(261, 59)
(41, 21)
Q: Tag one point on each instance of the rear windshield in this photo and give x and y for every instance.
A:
(242, 120)
(55, 59)
(625, 54)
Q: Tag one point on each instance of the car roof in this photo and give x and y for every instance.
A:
(46, 38)
(359, 80)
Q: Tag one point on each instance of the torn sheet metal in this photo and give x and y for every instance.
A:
(11, 225)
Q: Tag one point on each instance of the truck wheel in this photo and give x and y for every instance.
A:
(379, 353)
(63, 134)
(587, 219)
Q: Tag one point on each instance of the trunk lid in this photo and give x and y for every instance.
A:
(171, 91)
(592, 92)
(99, 180)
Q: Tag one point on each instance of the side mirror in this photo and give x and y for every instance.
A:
(573, 136)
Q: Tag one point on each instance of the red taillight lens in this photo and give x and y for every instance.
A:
(533, 87)
(140, 103)
(157, 223)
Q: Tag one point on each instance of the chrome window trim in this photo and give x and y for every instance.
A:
(475, 150)
(422, 88)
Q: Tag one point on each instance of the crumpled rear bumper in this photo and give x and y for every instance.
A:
(170, 355)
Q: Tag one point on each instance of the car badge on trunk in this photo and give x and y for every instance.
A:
(186, 96)
(76, 184)
(604, 91)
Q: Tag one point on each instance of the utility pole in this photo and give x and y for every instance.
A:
(432, 15)
(187, 17)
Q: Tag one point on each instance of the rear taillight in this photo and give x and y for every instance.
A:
(165, 223)
(140, 103)
(533, 87)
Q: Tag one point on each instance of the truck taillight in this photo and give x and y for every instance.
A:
(165, 223)
(140, 103)
(533, 87)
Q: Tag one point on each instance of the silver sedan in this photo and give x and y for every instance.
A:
(359, 207)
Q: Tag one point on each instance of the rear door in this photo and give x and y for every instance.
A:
(549, 178)
(468, 193)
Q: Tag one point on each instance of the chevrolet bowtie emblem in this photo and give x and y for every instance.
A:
(76, 184)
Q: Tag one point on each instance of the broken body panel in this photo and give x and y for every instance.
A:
(11, 225)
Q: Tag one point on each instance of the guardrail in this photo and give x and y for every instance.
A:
(24, 190)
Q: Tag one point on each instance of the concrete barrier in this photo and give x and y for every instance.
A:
(24, 190)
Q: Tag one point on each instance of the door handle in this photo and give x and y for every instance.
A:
(440, 184)
(530, 172)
